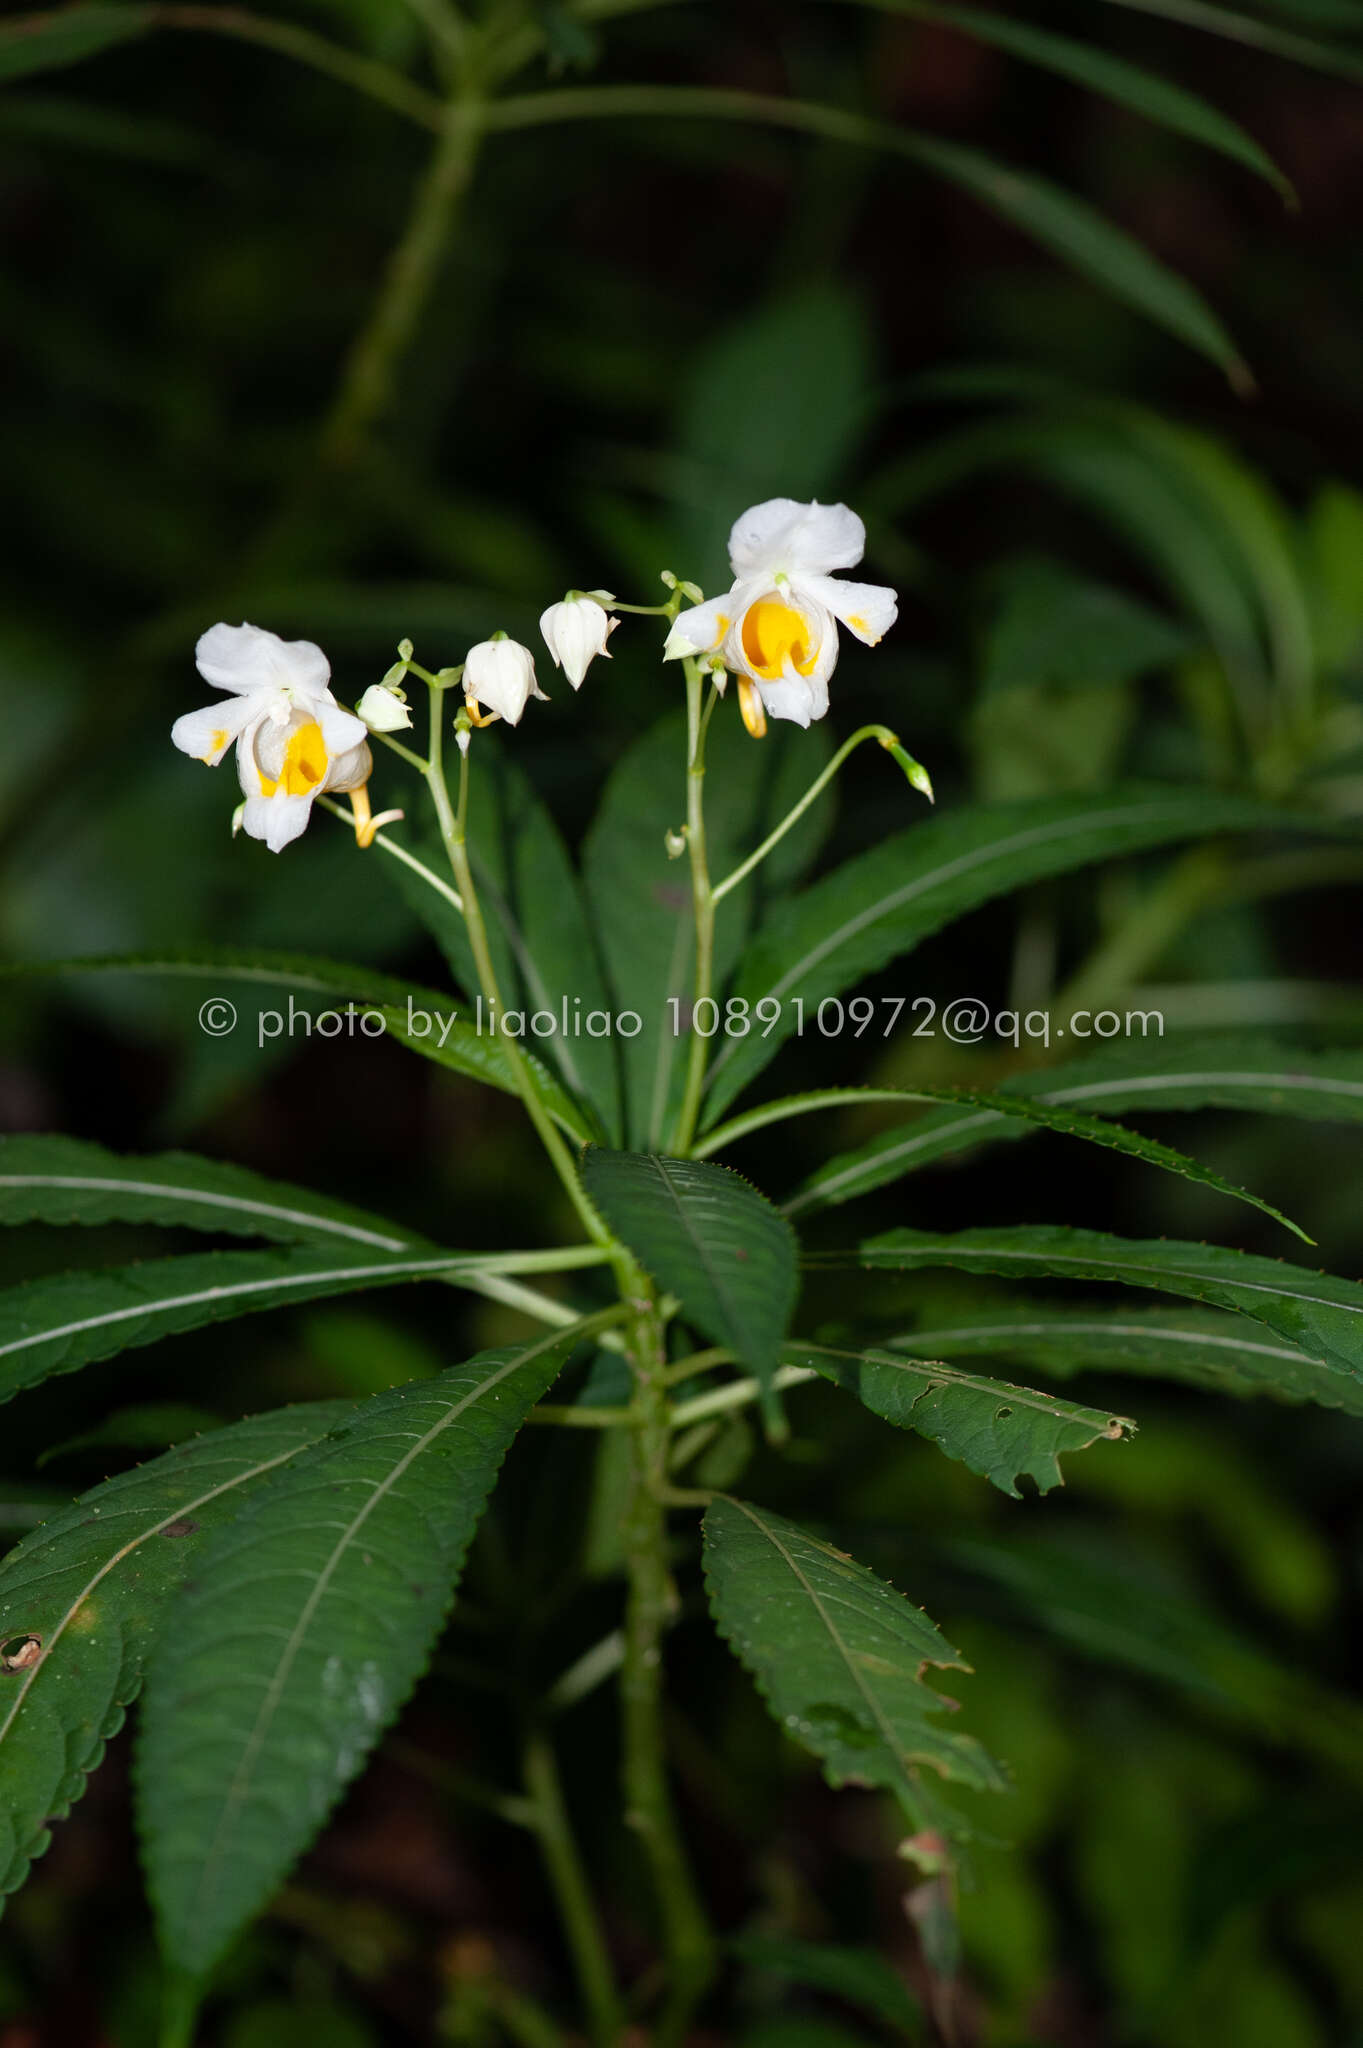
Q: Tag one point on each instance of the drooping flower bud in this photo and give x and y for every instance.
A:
(575, 632)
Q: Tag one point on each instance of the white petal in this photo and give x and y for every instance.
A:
(340, 730)
(704, 628)
(350, 770)
(500, 675)
(821, 632)
(866, 609)
(783, 537)
(278, 819)
(575, 632)
(383, 711)
(207, 734)
(247, 658)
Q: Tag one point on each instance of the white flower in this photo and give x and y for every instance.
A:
(575, 632)
(293, 739)
(777, 628)
(499, 674)
(383, 710)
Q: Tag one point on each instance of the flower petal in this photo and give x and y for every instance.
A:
(278, 819)
(341, 731)
(702, 629)
(248, 658)
(350, 770)
(784, 537)
(866, 609)
(207, 734)
(799, 698)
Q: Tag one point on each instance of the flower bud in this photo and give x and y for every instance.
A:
(383, 710)
(499, 674)
(575, 632)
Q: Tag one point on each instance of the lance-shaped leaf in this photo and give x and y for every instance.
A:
(65, 1180)
(707, 1236)
(67, 35)
(879, 905)
(1002, 1432)
(839, 1657)
(89, 1589)
(305, 1628)
(1200, 1073)
(1199, 1347)
(1318, 1314)
(67, 1320)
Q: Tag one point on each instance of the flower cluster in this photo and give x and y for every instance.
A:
(775, 629)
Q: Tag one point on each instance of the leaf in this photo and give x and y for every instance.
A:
(1002, 1432)
(306, 1627)
(860, 1976)
(1199, 1073)
(543, 948)
(92, 1585)
(66, 1320)
(880, 904)
(1201, 1348)
(474, 1050)
(1116, 78)
(66, 35)
(1259, 35)
(641, 901)
(152, 1425)
(707, 1236)
(65, 1180)
(1055, 629)
(1071, 229)
(1318, 1315)
(839, 1657)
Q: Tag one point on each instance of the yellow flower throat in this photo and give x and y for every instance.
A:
(773, 633)
(304, 766)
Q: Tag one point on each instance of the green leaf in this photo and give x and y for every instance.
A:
(707, 1236)
(92, 1585)
(641, 900)
(1318, 1315)
(839, 1657)
(1116, 78)
(880, 904)
(1258, 35)
(66, 35)
(66, 1320)
(1198, 1073)
(474, 1050)
(543, 948)
(65, 1180)
(1200, 1348)
(1002, 1432)
(152, 1425)
(859, 1976)
(1056, 629)
(306, 1627)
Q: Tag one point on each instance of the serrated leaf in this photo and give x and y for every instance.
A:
(1200, 1348)
(66, 1320)
(307, 1625)
(1318, 1314)
(66, 1180)
(1002, 1432)
(92, 1585)
(707, 1236)
(839, 1657)
(544, 951)
(1196, 1073)
(475, 1051)
(880, 904)
(67, 35)
(641, 901)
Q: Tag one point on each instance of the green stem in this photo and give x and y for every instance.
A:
(452, 829)
(367, 382)
(704, 899)
(181, 1997)
(399, 853)
(687, 1941)
(737, 1394)
(362, 74)
(886, 738)
(577, 1909)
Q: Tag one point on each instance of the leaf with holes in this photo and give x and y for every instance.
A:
(1319, 1315)
(67, 1320)
(1002, 1432)
(90, 1589)
(64, 1180)
(707, 1236)
(839, 1657)
(306, 1626)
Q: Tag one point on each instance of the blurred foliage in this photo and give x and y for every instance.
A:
(1109, 563)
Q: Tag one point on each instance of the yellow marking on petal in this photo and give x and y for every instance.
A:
(858, 624)
(215, 746)
(750, 704)
(305, 763)
(774, 634)
(722, 625)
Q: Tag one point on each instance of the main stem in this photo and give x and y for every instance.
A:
(576, 1905)
(687, 1941)
(703, 896)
